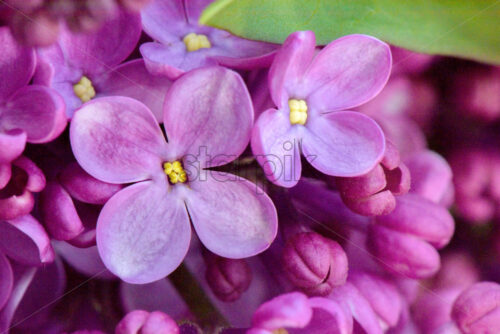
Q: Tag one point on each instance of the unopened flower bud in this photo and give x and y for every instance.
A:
(142, 322)
(228, 278)
(477, 309)
(405, 240)
(84, 187)
(314, 263)
(372, 194)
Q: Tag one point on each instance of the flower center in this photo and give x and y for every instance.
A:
(298, 111)
(84, 89)
(175, 172)
(280, 331)
(194, 42)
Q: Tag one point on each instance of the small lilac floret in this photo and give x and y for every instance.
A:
(144, 231)
(83, 66)
(312, 93)
(295, 312)
(181, 44)
(314, 264)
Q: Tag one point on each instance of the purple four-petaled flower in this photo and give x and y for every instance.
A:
(143, 231)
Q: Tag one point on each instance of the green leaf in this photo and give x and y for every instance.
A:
(463, 28)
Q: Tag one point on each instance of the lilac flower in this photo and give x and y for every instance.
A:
(33, 114)
(143, 231)
(84, 66)
(181, 44)
(310, 95)
(294, 311)
(374, 302)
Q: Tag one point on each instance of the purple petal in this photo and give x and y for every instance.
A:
(84, 187)
(22, 279)
(329, 317)
(17, 64)
(12, 144)
(36, 178)
(165, 20)
(37, 110)
(173, 60)
(348, 296)
(348, 72)
(344, 143)
(133, 80)
(84, 260)
(6, 280)
(24, 240)
(58, 213)
(289, 65)
(233, 217)
(143, 232)
(275, 144)
(117, 140)
(194, 9)
(15, 205)
(97, 51)
(240, 53)
(288, 310)
(5, 174)
(381, 294)
(202, 110)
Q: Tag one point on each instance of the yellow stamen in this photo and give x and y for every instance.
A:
(298, 111)
(84, 89)
(175, 172)
(194, 42)
(280, 331)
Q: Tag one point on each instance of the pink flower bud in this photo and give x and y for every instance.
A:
(477, 309)
(372, 194)
(228, 278)
(314, 263)
(405, 240)
(142, 322)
